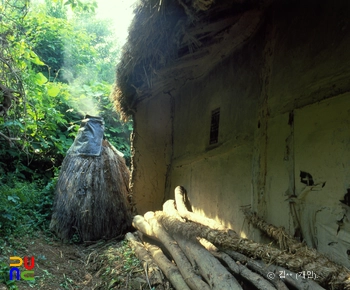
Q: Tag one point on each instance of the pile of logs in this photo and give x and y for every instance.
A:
(195, 252)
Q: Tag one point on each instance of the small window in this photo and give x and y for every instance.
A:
(214, 126)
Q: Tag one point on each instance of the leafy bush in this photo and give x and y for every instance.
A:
(24, 206)
(52, 65)
(4, 276)
(58, 74)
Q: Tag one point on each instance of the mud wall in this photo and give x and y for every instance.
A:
(217, 176)
(283, 133)
(151, 150)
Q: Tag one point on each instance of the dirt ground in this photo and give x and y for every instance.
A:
(102, 265)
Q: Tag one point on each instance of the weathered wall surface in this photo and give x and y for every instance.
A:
(284, 114)
(218, 176)
(151, 153)
(284, 110)
(307, 126)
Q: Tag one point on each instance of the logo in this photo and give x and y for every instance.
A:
(28, 274)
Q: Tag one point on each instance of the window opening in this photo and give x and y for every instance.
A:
(214, 126)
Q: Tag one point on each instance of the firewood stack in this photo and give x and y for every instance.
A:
(198, 253)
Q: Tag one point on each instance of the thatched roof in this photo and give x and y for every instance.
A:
(173, 41)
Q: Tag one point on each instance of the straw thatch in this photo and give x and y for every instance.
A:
(173, 41)
(92, 196)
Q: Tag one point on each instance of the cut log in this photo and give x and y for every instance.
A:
(154, 275)
(169, 207)
(292, 279)
(143, 226)
(168, 268)
(239, 270)
(154, 229)
(180, 199)
(287, 242)
(328, 273)
(258, 268)
(208, 266)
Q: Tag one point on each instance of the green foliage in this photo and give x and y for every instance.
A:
(55, 69)
(82, 7)
(4, 277)
(120, 254)
(67, 68)
(24, 207)
(64, 49)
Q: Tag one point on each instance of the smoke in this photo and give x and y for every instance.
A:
(80, 74)
(85, 105)
(84, 67)
(82, 99)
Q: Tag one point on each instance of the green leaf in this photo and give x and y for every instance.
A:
(7, 216)
(13, 198)
(40, 79)
(53, 90)
(35, 59)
